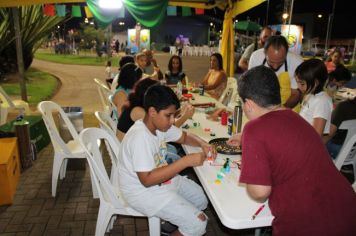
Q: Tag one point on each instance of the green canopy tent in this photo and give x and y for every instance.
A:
(247, 26)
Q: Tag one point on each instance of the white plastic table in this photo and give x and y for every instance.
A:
(229, 199)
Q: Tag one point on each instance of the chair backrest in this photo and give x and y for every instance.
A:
(348, 149)
(113, 109)
(89, 139)
(47, 109)
(230, 91)
(4, 98)
(106, 122)
(104, 93)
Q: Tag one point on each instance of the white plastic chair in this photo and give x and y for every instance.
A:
(62, 150)
(113, 109)
(228, 97)
(347, 154)
(104, 93)
(354, 186)
(172, 50)
(7, 104)
(111, 202)
(106, 123)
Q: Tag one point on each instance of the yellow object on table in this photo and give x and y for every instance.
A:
(9, 169)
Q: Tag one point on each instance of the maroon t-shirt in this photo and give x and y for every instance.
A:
(309, 195)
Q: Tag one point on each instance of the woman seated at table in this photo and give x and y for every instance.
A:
(175, 72)
(215, 80)
(129, 74)
(134, 110)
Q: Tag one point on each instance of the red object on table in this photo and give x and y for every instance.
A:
(187, 95)
(224, 116)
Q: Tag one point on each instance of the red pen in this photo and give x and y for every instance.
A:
(258, 211)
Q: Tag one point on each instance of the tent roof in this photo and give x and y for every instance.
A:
(207, 4)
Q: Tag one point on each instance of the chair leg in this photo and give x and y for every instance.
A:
(62, 173)
(93, 186)
(57, 163)
(102, 222)
(154, 224)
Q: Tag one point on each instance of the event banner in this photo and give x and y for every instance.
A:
(135, 43)
(293, 34)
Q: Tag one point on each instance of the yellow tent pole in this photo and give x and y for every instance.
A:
(227, 44)
(227, 41)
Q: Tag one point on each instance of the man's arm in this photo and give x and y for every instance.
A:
(294, 99)
(331, 134)
(259, 193)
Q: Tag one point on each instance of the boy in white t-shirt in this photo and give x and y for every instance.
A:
(147, 182)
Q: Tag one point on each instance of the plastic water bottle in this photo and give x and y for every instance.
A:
(179, 89)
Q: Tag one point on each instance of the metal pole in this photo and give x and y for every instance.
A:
(20, 64)
(290, 17)
(109, 40)
(330, 23)
(266, 23)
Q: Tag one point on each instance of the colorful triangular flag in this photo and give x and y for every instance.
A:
(49, 10)
(199, 11)
(76, 12)
(61, 10)
(88, 12)
(186, 11)
(121, 12)
(171, 11)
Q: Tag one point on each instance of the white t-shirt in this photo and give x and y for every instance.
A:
(141, 151)
(317, 106)
(293, 61)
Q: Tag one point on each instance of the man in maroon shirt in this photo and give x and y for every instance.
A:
(284, 160)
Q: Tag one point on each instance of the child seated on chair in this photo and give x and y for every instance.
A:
(147, 182)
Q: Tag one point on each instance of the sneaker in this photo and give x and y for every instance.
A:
(347, 169)
(167, 228)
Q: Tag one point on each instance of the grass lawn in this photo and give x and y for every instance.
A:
(73, 59)
(40, 86)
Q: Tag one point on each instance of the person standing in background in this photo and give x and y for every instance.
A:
(266, 32)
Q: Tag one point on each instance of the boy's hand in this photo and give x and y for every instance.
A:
(188, 111)
(195, 159)
(209, 151)
(235, 140)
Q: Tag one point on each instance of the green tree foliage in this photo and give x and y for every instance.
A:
(91, 36)
(35, 28)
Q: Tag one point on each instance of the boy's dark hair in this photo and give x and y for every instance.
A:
(160, 97)
(136, 98)
(129, 75)
(170, 66)
(126, 59)
(311, 71)
(341, 73)
(220, 59)
(276, 41)
(260, 84)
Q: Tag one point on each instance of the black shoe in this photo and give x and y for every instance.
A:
(167, 228)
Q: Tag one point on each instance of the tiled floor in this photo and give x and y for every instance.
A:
(73, 211)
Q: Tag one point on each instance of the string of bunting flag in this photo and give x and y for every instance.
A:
(74, 10)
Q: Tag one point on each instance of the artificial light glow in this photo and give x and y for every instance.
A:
(211, 24)
(320, 16)
(92, 23)
(109, 4)
(86, 20)
(58, 27)
(285, 15)
(121, 23)
(236, 21)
